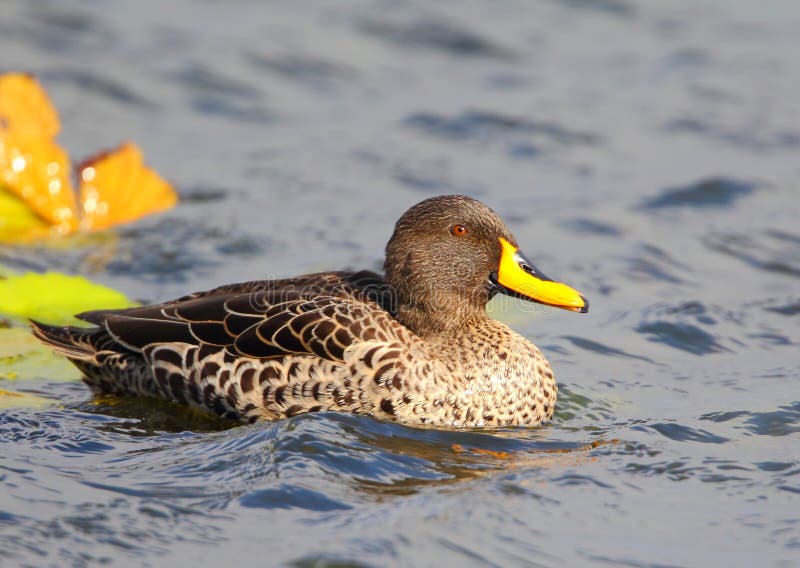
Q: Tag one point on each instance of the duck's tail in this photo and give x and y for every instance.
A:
(106, 366)
(72, 342)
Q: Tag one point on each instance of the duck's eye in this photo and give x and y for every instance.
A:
(458, 230)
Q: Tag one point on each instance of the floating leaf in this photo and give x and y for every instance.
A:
(12, 399)
(23, 357)
(18, 222)
(55, 298)
(116, 187)
(25, 107)
(37, 170)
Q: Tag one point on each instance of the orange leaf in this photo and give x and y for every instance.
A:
(25, 107)
(116, 187)
(37, 170)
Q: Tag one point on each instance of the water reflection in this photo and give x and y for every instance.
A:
(266, 465)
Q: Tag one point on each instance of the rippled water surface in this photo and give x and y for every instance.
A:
(646, 153)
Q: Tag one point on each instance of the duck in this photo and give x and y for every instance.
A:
(414, 345)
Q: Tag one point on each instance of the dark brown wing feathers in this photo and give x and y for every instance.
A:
(319, 315)
(137, 332)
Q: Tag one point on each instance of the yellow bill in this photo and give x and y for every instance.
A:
(518, 277)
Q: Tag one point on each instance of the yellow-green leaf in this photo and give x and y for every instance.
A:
(18, 222)
(12, 399)
(53, 297)
(22, 357)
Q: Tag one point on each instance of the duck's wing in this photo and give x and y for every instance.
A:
(258, 324)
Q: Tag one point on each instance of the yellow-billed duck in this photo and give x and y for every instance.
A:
(414, 345)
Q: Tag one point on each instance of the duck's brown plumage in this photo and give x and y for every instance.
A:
(415, 346)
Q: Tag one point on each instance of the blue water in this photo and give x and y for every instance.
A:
(645, 154)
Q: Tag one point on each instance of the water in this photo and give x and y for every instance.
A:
(645, 154)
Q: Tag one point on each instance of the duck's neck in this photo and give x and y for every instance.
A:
(476, 339)
(449, 317)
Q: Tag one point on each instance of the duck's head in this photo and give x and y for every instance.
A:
(449, 255)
